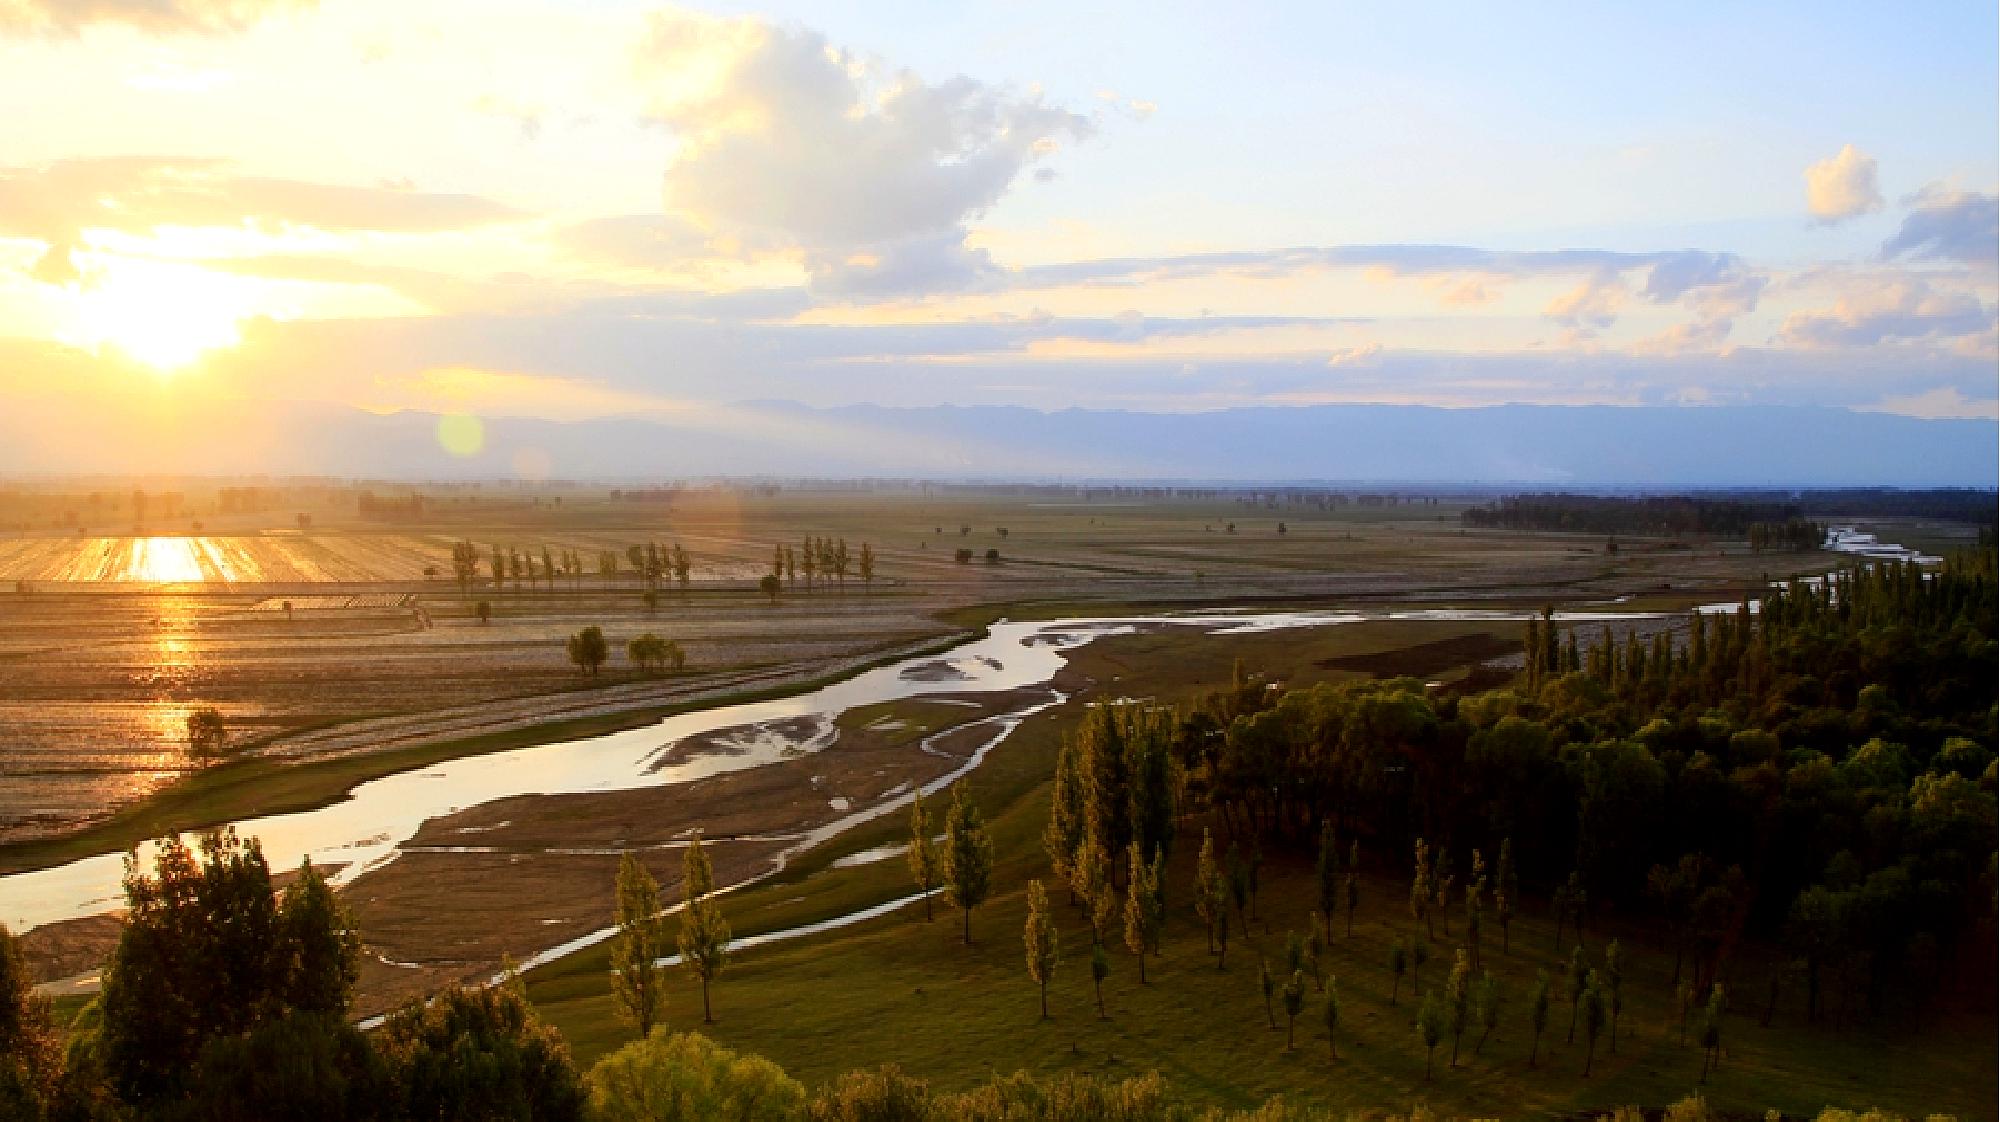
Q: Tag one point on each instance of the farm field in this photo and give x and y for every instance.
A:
(333, 639)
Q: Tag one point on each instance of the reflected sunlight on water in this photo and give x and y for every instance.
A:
(162, 561)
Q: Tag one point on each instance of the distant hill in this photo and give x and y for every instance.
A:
(1540, 446)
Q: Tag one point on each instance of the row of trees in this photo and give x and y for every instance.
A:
(821, 560)
(652, 562)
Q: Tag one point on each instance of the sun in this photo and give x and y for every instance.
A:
(165, 315)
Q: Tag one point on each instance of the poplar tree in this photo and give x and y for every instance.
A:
(1207, 887)
(1458, 999)
(1295, 1002)
(1041, 940)
(968, 853)
(1431, 1026)
(1593, 1019)
(1614, 980)
(1329, 875)
(923, 852)
(1538, 1012)
(1420, 953)
(1269, 987)
(1092, 883)
(1441, 881)
(1333, 1017)
(1063, 836)
(636, 978)
(1140, 928)
(1100, 969)
(1579, 974)
(1486, 1002)
(704, 937)
(1420, 887)
(1711, 1030)
(1353, 884)
(1399, 964)
(1505, 888)
(1222, 939)
(1315, 955)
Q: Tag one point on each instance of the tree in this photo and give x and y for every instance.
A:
(1486, 1002)
(1593, 1019)
(1269, 987)
(1333, 1017)
(588, 650)
(689, 1078)
(1353, 898)
(1458, 999)
(1420, 953)
(209, 951)
(465, 565)
(1711, 1030)
(484, 610)
(867, 565)
(1506, 889)
(31, 1047)
(1328, 873)
(1063, 836)
(470, 1055)
(1090, 879)
(1207, 886)
(641, 942)
(1295, 1002)
(1538, 1012)
(1421, 889)
(923, 851)
(1222, 938)
(1399, 964)
(1614, 981)
(1430, 1026)
(1315, 953)
(1579, 976)
(1100, 969)
(704, 939)
(1141, 920)
(1040, 938)
(206, 733)
(309, 1067)
(968, 868)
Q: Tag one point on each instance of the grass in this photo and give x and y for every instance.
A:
(900, 990)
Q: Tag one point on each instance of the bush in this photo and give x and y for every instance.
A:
(689, 1078)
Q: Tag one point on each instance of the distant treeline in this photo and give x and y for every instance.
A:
(1735, 514)
(1648, 515)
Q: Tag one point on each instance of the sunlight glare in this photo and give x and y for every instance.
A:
(163, 315)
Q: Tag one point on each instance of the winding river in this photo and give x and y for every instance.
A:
(368, 828)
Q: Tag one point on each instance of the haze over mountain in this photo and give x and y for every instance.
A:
(1526, 444)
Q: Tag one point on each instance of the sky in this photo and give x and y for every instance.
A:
(574, 210)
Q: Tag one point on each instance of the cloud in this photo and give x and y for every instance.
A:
(57, 203)
(1947, 224)
(62, 18)
(1873, 309)
(1937, 404)
(1591, 306)
(1842, 187)
(785, 141)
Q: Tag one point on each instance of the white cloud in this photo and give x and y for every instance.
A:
(1937, 404)
(1948, 224)
(791, 144)
(1842, 187)
(160, 17)
(1889, 307)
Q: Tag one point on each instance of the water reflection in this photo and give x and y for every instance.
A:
(364, 831)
